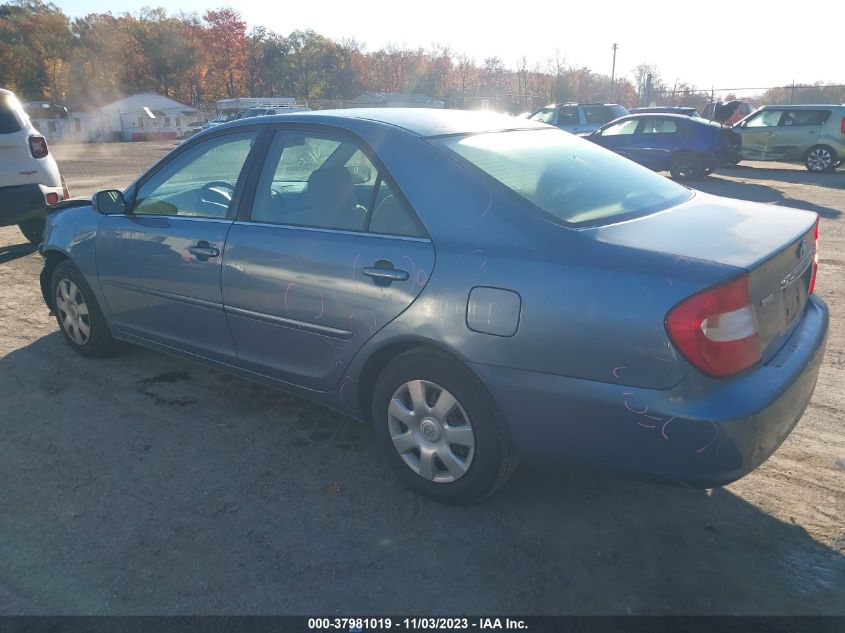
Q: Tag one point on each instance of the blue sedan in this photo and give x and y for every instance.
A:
(687, 147)
(478, 288)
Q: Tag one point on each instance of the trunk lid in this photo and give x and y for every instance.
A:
(776, 245)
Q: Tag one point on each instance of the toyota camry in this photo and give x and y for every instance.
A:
(479, 288)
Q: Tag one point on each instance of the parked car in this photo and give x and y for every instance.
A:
(684, 110)
(262, 111)
(29, 176)
(578, 304)
(579, 118)
(811, 134)
(685, 146)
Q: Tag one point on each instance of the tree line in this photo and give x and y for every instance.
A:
(198, 59)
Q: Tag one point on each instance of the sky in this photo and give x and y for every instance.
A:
(744, 43)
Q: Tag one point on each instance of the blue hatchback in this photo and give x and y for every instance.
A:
(688, 147)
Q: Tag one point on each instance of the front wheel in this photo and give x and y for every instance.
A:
(33, 230)
(440, 429)
(820, 159)
(78, 313)
(686, 166)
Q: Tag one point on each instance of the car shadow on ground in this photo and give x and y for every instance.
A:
(145, 484)
(834, 180)
(760, 193)
(9, 253)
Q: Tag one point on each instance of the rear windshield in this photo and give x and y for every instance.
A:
(571, 179)
(8, 121)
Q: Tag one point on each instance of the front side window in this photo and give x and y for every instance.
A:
(766, 118)
(200, 182)
(570, 179)
(320, 180)
(621, 128)
(546, 115)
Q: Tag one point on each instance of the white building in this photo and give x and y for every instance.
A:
(140, 117)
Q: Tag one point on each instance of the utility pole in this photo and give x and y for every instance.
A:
(613, 72)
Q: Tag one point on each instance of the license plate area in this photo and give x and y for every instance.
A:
(795, 294)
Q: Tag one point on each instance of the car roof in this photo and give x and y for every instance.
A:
(420, 121)
(803, 106)
(651, 115)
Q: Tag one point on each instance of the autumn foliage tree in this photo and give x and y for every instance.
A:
(201, 58)
(226, 51)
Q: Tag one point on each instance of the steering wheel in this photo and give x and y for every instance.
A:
(218, 193)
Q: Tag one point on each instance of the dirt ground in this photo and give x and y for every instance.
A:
(143, 484)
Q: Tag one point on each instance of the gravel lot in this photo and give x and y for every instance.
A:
(143, 484)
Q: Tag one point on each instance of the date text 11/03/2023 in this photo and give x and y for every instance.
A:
(354, 625)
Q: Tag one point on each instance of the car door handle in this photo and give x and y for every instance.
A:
(386, 274)
(204, 249)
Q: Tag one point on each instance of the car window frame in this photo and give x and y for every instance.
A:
(257, 166)
(131, 192)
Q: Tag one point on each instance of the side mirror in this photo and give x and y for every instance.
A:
(109, 202)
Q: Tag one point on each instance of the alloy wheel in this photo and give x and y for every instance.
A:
(819, 159)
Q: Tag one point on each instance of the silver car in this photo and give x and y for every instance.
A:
(811, 134)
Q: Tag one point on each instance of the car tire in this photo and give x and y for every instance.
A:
(421, 400)
(685, 166)
(78, 314)
(820, 159)
(33, 230)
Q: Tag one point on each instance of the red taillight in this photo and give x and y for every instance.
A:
(38, 146)
(52, 198)
(842, 126)
(815, 256)
(716, 330)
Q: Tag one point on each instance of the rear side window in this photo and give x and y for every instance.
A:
(568, 115)
(9, 122)
(659, 126)
(572, 180)
(321, 180)
(804, 117)
(599, 115)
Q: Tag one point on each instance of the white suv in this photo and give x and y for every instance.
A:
(29, 176)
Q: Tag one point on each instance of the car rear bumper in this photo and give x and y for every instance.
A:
(703, 431)
(24, 202)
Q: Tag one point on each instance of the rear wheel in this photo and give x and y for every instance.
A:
(820, 159)
(686, 166)
(33, 230)
(440, 429)
(78, 313)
